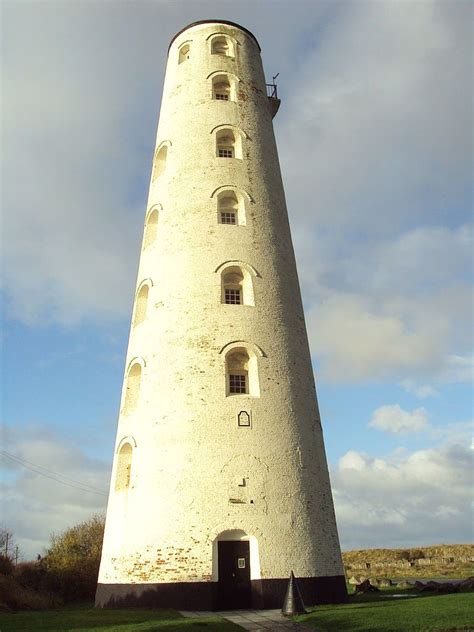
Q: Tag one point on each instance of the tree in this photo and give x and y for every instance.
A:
(6, 542)
(8, 551)
(77, 544)
(73, 558)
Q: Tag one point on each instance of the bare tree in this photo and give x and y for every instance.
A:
(6, 542)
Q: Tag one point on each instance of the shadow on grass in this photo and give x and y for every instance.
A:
(86, 618)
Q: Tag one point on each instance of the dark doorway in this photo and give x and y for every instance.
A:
(234, 591)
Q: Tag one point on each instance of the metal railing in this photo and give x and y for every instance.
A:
(272, 92)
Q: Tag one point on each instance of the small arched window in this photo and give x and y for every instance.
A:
(222, 45)
(237, 283)
(184, 52)
(228, 143)
(231, 206)
(236, 286)
(225, 143)
(232, 286)
(159, 165)
(228, 208)
(132, 392)
(124, 468)
(222, 88)
(141, 303)
(151, 228)
(241, 372)
(238, 372)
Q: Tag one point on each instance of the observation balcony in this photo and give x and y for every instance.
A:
(273, 100)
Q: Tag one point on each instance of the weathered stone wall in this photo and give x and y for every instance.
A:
(191, 460)
(423, 561)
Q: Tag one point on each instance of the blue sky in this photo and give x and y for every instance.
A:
(374, 138)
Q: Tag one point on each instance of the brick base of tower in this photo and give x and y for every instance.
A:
(266, 593)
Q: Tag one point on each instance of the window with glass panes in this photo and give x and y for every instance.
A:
(237, 383)
(228, 217)
(232, 296)
(225, 153)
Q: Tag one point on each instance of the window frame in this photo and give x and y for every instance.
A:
(225, 151)
(240, 381)
(231, 293)
(225, 215)
(229, 43)
(181, 52)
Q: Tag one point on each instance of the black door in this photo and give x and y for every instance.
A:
(234, 592)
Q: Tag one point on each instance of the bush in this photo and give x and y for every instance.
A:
(31, 574)
(15, 596)
(73, 559)
(68, 572)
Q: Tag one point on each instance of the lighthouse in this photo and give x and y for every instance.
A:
(220, 484)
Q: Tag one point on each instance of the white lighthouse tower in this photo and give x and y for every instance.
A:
(220, 485)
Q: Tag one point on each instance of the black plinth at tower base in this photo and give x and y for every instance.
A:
(293, 603)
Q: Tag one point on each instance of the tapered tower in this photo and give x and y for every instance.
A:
(220, 484)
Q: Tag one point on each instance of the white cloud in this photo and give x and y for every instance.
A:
(72, 157)
(459, 369)
(422, 391)
(35, 504)
(404, 499)
(379, 197)
(384, 114)
(355, 339)
(395, 420)
(378, 329)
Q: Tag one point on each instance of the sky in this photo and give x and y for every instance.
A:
(375, 143)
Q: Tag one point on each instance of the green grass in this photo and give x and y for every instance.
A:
(89, 619)
(373, 612)
(379, 612)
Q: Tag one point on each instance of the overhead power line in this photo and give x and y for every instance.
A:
(52, 475)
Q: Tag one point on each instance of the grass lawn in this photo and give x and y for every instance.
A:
(379, 612)
(376, 612)
(89, 619)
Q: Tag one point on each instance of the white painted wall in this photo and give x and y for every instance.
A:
(189, 450)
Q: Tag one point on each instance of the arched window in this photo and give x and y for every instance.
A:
(228, 143)
(132, 392)
(124, 468)
(231, 208)
(241, 369)
(151, 228)
(232, 282)
(183, 54)
(141, 303)
(236, 285)
(237, 365)
(228, 208)
(222, 45)
(222, 90)
(231, 205)
(225, 143)
(160, 162)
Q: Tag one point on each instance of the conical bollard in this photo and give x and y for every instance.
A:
(293, 603)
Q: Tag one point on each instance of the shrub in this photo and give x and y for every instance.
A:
(73, 559)
(14, 596)
(31, 574)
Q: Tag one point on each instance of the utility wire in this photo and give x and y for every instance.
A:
(45, 469)
(54, 476)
